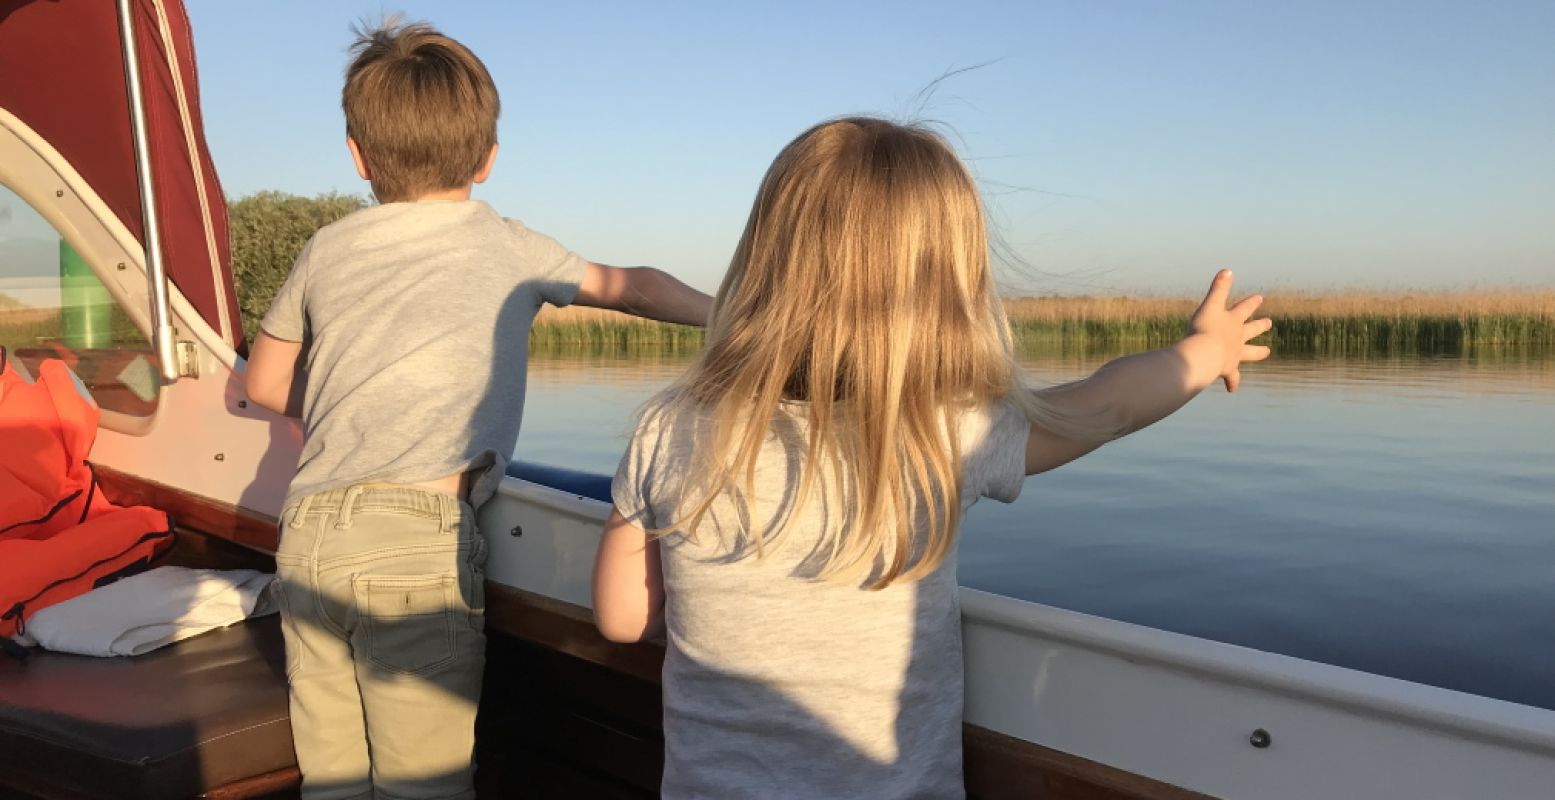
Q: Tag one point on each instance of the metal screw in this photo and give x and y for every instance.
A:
(221, 456)
(59, 192)
(121, 266)
(518, 530)
(1260, 739)
(242, 404)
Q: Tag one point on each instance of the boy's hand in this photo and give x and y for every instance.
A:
(1224, 333)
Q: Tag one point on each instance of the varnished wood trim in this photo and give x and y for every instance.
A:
(265, 785)
(566, 628)
(191, 511)
(1000, 767)
(194, 549)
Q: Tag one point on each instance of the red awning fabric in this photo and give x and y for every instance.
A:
(62, 73)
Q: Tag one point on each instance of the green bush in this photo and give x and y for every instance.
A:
(268, 231)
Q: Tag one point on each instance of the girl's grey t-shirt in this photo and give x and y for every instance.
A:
(415, 322)
(777, 684)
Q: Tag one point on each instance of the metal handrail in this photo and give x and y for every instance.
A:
(156, 271)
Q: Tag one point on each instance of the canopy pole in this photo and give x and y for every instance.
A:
(156, 271)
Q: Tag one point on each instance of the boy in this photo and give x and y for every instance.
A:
(410, 321)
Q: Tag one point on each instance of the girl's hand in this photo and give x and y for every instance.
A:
(1134, 391)
(1227, 331)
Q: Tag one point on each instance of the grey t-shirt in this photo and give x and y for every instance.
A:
(777, 684)
(415, 319)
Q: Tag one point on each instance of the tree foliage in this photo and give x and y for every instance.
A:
(268, 231)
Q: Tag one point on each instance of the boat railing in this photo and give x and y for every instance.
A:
(585, 495)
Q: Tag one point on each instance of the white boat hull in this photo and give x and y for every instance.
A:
(1174, 708)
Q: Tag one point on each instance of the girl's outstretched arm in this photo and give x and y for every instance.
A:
(628, 583)
(1129, 393)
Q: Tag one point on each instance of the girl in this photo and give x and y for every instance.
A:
(805, 479)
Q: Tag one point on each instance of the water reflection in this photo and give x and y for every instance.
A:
(1391, 514)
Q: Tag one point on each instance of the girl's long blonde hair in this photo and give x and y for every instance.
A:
(861, 285)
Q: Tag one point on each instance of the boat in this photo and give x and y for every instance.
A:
(1058, 704)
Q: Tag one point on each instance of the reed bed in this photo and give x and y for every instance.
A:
(1348, 323)
(584, 331)
(27, 327)
(24, 327)
(1351, 322)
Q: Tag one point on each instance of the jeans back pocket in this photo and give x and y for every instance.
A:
(407, 620)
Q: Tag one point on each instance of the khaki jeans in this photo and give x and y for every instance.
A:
(381, 595)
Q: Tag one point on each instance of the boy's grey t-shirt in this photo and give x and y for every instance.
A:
(780, 685)
(415, 321)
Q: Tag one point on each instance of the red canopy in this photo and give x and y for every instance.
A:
(62, 73)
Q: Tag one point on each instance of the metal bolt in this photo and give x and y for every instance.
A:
(221, 456)
(59, 192)
(242, 404)
(1260, 739)
(518, 530)
(121, 266)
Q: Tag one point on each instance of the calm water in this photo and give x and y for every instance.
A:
(1391, 515)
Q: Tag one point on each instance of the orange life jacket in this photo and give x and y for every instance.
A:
(59, 537)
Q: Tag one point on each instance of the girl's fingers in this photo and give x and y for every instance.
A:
(1254, 352)
(1256, 328)
(1233, 379)
(1243, 311)
(1219, 290)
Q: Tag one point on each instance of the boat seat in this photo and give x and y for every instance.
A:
(205, 715)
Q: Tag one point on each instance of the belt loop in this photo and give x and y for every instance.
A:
(347, 505)
(301, 510)
(448, 510)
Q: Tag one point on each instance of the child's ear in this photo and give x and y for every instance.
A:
(485, 171)
(356, 155)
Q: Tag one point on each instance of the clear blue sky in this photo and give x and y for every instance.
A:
(1124, 146)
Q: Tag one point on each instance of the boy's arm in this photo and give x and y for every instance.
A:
(628, 583)
(1132, 392)
(643, 292)
(274, 366)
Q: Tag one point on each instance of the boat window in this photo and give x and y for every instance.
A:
(53, 306)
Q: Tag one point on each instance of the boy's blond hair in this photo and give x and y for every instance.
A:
(421, 107)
